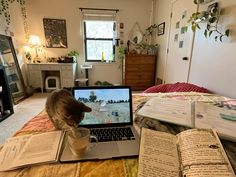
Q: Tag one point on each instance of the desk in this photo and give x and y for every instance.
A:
(38, 71)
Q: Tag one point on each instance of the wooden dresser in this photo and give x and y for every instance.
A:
(139, 71)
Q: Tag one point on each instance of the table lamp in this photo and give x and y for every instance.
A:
(35, 42)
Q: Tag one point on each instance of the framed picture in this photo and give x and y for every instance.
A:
(161, 29)
(55, 33)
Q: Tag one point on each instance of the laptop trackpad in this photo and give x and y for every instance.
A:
(104, 150)
(97, 151)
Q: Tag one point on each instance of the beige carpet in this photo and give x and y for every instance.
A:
(23, 112)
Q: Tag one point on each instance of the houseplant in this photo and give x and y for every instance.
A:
(147, 46)
(211, 17)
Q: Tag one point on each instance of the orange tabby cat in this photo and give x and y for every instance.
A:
(64, 110)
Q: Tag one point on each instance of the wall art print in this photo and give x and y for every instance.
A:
(55, 33)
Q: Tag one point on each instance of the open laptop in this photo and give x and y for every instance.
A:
(110, 121)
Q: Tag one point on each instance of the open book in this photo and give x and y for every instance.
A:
(191, 153)
(30, 149)
(218, 115)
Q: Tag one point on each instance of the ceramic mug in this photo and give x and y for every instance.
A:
(79, 140)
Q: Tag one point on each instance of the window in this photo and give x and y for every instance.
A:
(99, 37)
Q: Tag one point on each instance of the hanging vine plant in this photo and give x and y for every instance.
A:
(4, 11)
(211, 17)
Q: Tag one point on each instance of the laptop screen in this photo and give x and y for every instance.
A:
(110, 105)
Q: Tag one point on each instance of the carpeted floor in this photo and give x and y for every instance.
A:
(23, 112)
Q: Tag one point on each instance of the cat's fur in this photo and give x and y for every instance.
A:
(64, 111)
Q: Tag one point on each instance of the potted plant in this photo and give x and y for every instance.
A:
(211, 17)
(71, 56)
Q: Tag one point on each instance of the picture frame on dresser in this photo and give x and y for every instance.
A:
(8, 59)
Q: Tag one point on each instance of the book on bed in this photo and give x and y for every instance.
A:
(216, 114)
(31, 149)
(193, 152)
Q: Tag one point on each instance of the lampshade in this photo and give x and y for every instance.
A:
(34, 41)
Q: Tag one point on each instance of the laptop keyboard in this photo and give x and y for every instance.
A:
(112, 134)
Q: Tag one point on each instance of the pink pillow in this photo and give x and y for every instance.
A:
(177, 87)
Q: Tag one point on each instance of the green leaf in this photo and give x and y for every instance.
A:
(221, 37)
(208, 27)
(205, 33)
(210, 33)
(227, 32)
(198, 26)
(194, 27)
(216, 37)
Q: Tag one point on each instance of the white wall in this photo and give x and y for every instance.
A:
(16, 31)
(130, 12)
(213, 63)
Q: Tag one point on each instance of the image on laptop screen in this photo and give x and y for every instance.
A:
(109, 106)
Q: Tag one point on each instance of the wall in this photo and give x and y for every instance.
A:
(130, 12)
(213, 63)
(16, 31)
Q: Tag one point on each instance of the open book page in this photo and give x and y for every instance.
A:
(200, 148)
(11, 149)
(38, 148)
(208, 171)
(169, 110)
(220, 116)
(158, 154)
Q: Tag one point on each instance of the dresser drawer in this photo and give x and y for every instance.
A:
(67, 68)
(35, 74)
(33, 67)
(67, 83)
(35, 82)
(50, 67)
(140, 68)
(67, 74)
(134, 61)
(140, 76)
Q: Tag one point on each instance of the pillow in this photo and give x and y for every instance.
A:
(177, 87)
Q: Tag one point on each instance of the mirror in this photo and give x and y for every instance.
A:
(9, 60)
(136, 35)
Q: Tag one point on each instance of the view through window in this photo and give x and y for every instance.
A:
(99, 38)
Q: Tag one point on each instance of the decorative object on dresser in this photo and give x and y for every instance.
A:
(37, 73)
(6, 108)
(35, 42)
(139, 71)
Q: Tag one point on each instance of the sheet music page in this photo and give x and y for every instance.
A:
(169, 110)
(30, 149)
(158, 154)
(198, 148)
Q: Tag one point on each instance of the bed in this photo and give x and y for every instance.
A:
(126, 167)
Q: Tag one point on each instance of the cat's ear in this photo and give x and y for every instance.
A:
(86, 108)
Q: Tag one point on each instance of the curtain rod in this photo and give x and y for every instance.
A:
(117, 10)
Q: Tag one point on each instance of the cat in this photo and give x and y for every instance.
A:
(64, 110)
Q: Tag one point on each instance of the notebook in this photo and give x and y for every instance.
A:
(110, 120)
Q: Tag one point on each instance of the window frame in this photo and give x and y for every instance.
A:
(96, 39)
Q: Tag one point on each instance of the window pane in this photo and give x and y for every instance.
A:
(96, 47)
(99, 29)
